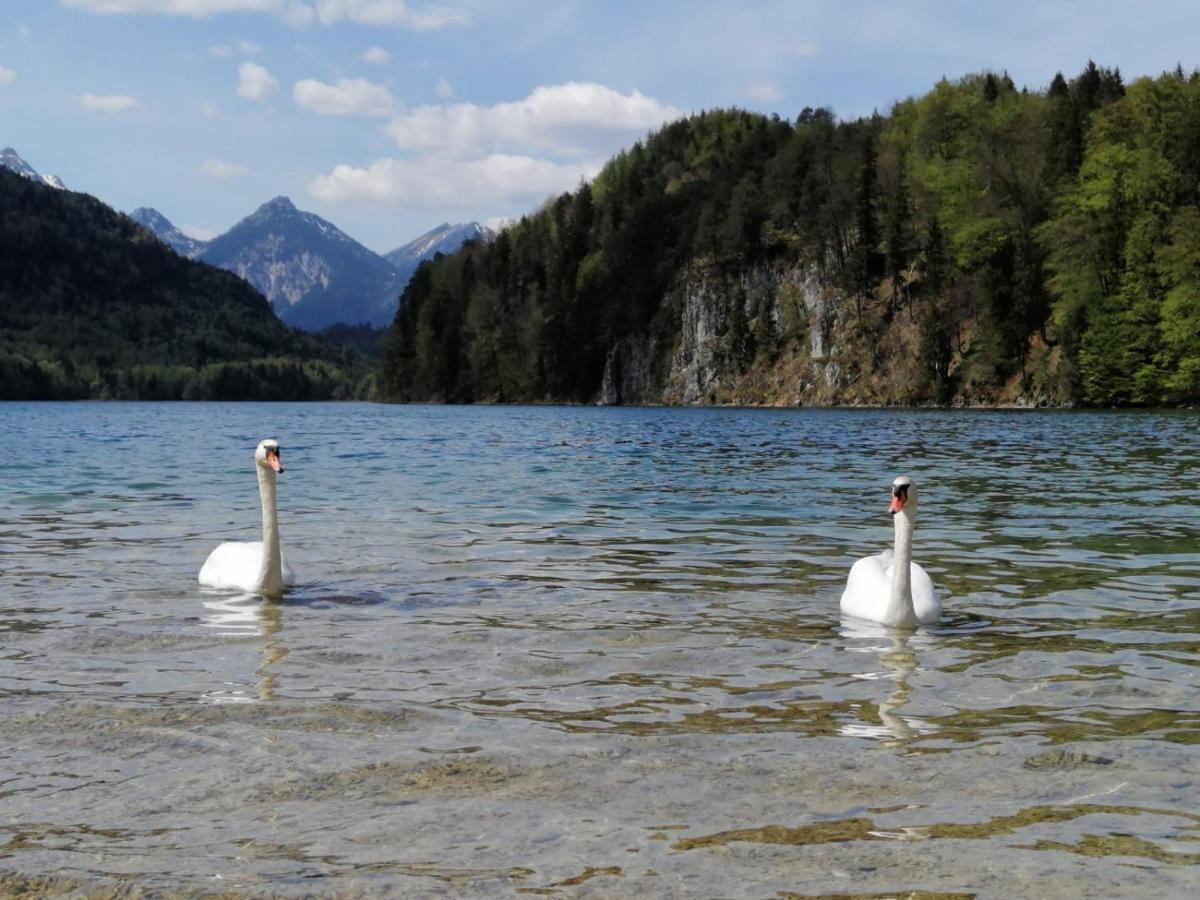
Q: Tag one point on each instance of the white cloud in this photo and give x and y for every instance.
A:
(445, 88)
(376, 55)
(572, 119)
(764, 91)
(220, 51)
(349, 97)
(209, 110)
(255, 82)
(197, 9)
(388, 12)
(294, 12)
(108, 103)
(7, 76)
(437, 183)
(24, 31)
(807, 48)
(248, 48)
(222, 169)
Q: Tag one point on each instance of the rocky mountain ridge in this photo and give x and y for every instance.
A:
(312, 272)
(10, 159)
(162, 228)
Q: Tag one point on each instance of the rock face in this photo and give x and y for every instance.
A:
(11, 160)
(629, 373)
(445, 238)
(162, 228)
(711, 355)
(314, 274)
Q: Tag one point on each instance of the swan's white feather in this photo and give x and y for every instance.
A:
(236, 565)
(869, 586)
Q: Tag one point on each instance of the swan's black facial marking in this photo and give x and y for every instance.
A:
(900, 490)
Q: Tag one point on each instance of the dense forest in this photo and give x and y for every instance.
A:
(94, 306)
(982, 243)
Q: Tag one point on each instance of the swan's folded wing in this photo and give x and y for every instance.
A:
(234, 564)
(866, 580)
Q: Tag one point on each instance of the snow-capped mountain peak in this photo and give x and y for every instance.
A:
(11, 159)
(158, 224)
(446, 238)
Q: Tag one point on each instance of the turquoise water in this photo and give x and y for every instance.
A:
(597, 652)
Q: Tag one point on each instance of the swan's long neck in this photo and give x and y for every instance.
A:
(900, 604)
(270, 575)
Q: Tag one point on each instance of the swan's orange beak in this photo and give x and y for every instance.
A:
(897, 504)
(273, 460)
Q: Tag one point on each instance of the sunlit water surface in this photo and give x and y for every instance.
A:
(597, 652)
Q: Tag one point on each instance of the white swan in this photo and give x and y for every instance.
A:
(890, 588)
(256, 567)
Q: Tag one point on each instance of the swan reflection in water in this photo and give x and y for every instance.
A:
(895, 649)
(250, 616)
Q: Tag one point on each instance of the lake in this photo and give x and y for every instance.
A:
(597, 652)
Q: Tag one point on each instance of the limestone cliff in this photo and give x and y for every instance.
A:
(784, 336)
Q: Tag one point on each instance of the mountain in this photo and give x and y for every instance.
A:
(92, 305)
(313, 273)
(445, 238)
(162, 228)
(11, 160)
(981, 244)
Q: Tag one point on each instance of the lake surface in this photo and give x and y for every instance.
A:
(597, 652)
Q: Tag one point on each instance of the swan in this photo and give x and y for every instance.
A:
(890, 588)
(256, 567)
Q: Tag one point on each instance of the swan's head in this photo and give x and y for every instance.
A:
(267, 455)
(904, 495)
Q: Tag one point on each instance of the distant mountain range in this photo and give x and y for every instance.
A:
(10, 159)
(92, 305)
(314, 274)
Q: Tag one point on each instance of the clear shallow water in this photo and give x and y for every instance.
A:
(596, 652)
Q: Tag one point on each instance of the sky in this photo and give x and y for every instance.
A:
(389, 117)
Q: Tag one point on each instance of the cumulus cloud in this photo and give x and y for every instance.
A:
(220, 51)
(197, 9)
(436, 183)
(7, 76)
(445, 88)
(572, 119)
(376, 55)
(298, 13)
(255, 82)
(222, 169)
(108, 103)
(388, 12)
(500, 159)
(349, 97)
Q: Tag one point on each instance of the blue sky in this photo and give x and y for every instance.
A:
(388, 117)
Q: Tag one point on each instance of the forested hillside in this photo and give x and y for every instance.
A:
(979, 244)
(92, 305)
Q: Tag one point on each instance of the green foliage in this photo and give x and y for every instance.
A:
(91, 305)
(1121, 247)
(1001, 222)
